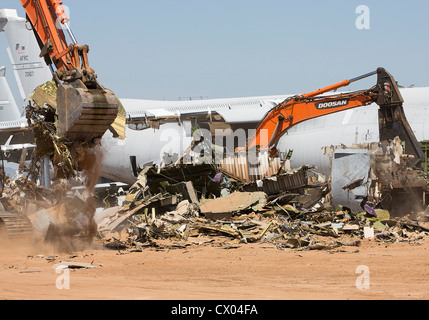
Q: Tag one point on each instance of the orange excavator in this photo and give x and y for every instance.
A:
(392, 120)
(85, 109)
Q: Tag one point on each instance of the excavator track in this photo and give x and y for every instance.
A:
(15, 227)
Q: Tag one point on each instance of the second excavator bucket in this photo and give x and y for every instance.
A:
(84, 115)
(392, 119)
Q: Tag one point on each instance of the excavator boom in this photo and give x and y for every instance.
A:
(85, 109)
(392, 120)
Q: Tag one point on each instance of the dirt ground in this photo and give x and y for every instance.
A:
(248, 272)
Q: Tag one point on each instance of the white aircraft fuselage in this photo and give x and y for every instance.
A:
(140, 148)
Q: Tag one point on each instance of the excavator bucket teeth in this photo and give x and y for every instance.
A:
(84, 114)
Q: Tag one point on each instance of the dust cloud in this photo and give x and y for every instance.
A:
(75, 226)
(91, 169)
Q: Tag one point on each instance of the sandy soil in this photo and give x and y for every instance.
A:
(250, 272)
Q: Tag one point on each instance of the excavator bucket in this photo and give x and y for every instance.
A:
(392, 119)
(84, 115)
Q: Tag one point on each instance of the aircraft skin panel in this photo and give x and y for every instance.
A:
(416, 108)
(232, 110)
(148, 146)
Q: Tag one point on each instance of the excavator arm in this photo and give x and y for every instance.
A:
(85, 109)
(392, 120)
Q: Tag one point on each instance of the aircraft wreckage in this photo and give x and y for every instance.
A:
(240, 200)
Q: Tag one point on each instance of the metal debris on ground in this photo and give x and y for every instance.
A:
(181, 205)
(378, 173)
(157, 215)
(67, 155)
(31, 212)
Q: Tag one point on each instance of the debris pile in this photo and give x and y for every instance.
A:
(68, 157)
(377, 172)
(182, 204)
(23, 195)
(57, 214)
(158, 213)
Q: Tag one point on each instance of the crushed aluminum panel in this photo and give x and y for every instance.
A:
(247, 169)
(119, 223)
(350, 177)
(232, 203)
(281, 183)
(285, 182)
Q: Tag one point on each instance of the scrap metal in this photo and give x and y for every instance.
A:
(304, 220)
(377, 173)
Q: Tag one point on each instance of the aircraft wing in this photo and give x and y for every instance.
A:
(15, 132)
(231, 111)
(16, 140)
